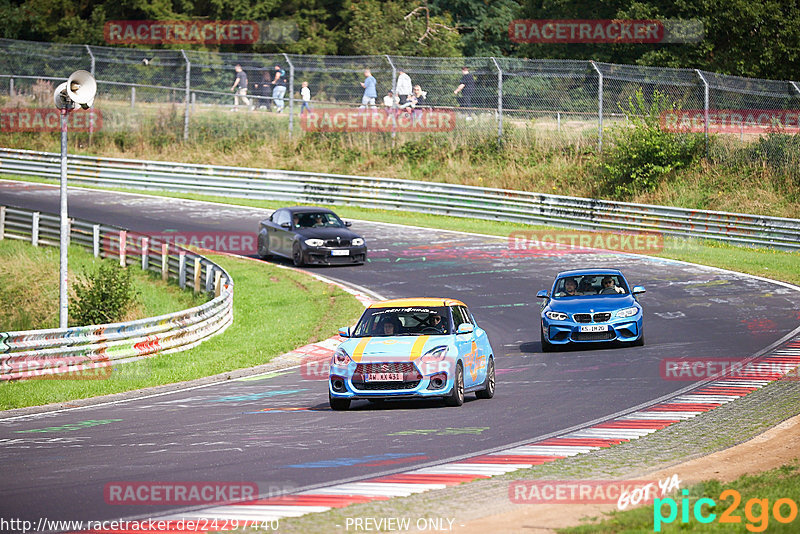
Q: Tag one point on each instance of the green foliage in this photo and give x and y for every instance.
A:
(415, 151)
(643, 154)
(103, 296)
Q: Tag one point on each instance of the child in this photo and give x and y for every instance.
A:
(305, 94)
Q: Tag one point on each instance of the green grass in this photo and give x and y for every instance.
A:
(29, 287)
(767, 487)
(770, 263)
(275, 311)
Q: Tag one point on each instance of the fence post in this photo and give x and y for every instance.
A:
(96, 240)
(123, 245)
(194, 98)
(794, 84)
(164, 261)
(11, 87)
(558, 118)
(186, 97)
(394, 97)
(499, 102)
(2, 222)
(209, 278)
(145, 253)
(182, 270)
(599, 107)
(291, 94)
(92, 57)
(198, 271)
(133, 96)
(35, 229)
(705, 105)
(217, 284)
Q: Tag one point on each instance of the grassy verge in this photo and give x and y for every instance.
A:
(29, 287)
(755, 511)
(776, 264)
(266, 300)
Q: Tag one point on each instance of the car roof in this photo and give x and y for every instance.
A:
(581, 272)
(417, 301)
(307, 209)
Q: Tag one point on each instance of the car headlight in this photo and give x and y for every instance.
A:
(357, 242)
(315, 242)
(340, 357)
(557, 316)
(628, 312)
(435, 355)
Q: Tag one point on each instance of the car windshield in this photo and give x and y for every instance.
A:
(317, 220)
(412, 321)
(590, 285)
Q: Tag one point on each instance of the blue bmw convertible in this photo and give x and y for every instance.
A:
(590, 306)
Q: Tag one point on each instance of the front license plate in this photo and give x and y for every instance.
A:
(594, 328)
(340, 252)
(384, 377)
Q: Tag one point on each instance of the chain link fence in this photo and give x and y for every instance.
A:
(188, 93)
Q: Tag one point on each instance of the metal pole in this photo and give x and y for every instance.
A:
(794, 84)
(91, 56)
(394, 96)
(11, 87)
(63, 263)
(291, 94)
(186, 97)
(705, 105)
(499, 102)
(133, 95)
(599, 108)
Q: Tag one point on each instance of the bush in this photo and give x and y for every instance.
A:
(103, 296)
(642, 155)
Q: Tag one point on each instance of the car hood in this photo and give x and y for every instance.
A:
(597, 303)
(392, 348)
(326, 233)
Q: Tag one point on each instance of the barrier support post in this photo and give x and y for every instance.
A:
(198, 271)
(164, 261)
(145, 253)
(96, 240)
(123, 243)
(182, 270)
(2, 222)
(35, 229)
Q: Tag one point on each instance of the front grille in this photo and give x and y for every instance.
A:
(587, 317)
(383, 386)
(593, 336)
(334, 243)
(386, 367)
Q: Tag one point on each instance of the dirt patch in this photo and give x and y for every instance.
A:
(776, 447)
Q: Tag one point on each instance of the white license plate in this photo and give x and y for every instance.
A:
(594, 328)
(384, 377)
(340, 252)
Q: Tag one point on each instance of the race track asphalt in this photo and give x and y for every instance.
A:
(279, 432)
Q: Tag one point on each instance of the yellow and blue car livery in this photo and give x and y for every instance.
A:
(412, 348)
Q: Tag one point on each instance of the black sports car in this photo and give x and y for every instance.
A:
(310, 235)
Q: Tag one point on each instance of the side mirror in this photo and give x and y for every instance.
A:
(638, 289)
(348, 223)
(543, 294)
(465, 328)
(344, 331)
(286, 225)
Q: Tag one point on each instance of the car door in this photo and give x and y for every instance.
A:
(277, 233)
(468, 349)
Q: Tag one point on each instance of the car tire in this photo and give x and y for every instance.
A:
(456, 396)
(338, 405)
(488, 391)
(263, 250)
(297, 255)
(639, 342)
(546, 345)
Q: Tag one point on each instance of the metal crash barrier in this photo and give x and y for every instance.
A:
(93, 350)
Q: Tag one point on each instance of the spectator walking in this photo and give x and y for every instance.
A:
(279, 89)
(403, 86)
(266, 90)
(305, 94)
(466, 87)
(370, 90)
(239, 88)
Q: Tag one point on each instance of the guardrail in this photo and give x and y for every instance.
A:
(428, 197)
(90, 351)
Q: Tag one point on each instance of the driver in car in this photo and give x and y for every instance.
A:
(570, 288)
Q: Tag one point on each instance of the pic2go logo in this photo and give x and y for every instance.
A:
(758, 521)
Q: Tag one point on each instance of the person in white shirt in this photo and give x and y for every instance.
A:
(305, 94)
(403, 86)
(389, 101)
